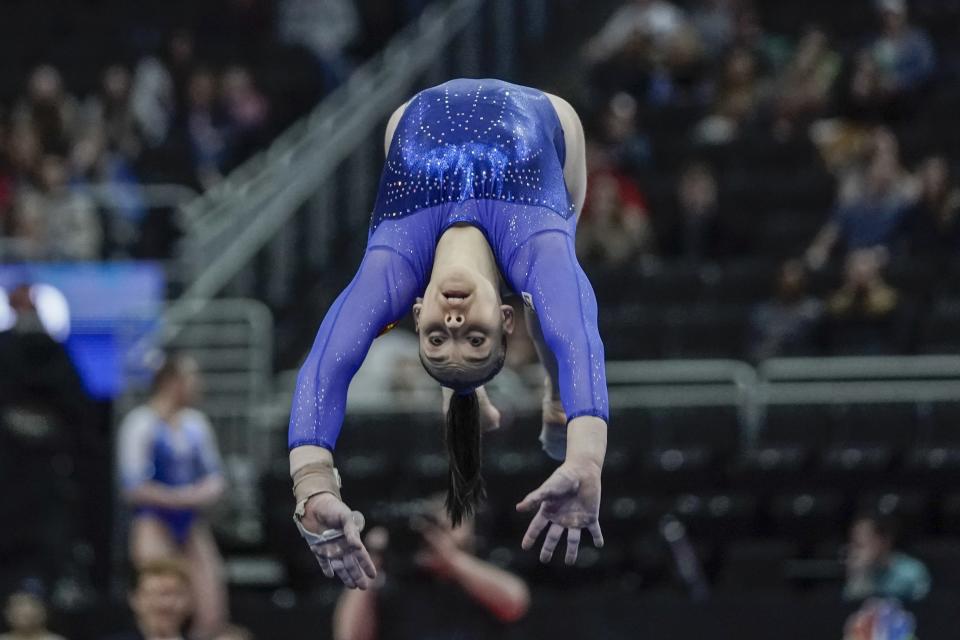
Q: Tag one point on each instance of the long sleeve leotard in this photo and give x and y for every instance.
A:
(481, 152)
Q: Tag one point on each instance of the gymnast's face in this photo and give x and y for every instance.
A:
(461, 324)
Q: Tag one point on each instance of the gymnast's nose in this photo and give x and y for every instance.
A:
(454, 320)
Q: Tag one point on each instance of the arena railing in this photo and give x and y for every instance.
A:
(876, 379)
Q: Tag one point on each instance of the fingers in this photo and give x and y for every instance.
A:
(594, 529)
(341, 572)
(537, 525)
(358, 552)
(366, 563)
(356, 574)
(352, 533)
(325, 566)
(550, 542)
(573, 546)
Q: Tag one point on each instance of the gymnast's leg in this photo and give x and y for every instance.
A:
(208, 582)
(150, 539)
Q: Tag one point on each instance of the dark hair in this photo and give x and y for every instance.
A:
(884, 524)
(461, 435)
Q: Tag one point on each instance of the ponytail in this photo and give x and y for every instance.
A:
(465, 490)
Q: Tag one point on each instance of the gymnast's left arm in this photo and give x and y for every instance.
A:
(566, 308)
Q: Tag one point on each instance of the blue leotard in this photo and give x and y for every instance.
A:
(150, 450)
(485, 153)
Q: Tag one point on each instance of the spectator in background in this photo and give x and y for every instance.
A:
(108, 178)
(28, 230)
(48, 109)
(652, 47)
(935, 223)
(171, 474)
(788, 324)
(876, 569)
(804, 88)
(160, 602)
(627, 148)
(19, 156)
(45, 417)
(26, 616)
(246, 113)
(696, 233)
(614, 231)
(24, 152)
(159, 88)
(205, 127)
(903, 53)
(454, 595)
(650, 26)
(738, 98)
(58, 223)
(111, 110)
(873, 204)
(865, 315)
(74, 231)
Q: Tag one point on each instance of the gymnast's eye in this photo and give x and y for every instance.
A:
(477, 341)
(436, 340)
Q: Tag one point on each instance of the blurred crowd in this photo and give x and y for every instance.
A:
(735, 84)
(178, 103)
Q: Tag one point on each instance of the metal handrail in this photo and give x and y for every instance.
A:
(858, 392)
(860, 367)
(859, 379)
(680, 371)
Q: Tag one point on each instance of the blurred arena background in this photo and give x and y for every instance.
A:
(772, 227)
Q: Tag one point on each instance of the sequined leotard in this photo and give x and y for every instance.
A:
(486, 153)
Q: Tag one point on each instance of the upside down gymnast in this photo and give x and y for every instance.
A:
(483, 179)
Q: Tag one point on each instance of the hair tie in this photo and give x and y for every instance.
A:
(465, 391)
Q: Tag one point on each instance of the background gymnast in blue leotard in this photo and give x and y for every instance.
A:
(171, 475)
(483, 179)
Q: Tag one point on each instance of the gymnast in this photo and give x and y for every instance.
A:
(483, 179)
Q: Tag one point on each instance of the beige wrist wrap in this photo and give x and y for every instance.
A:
(313, 473)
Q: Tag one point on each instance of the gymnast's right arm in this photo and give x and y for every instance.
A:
(380, 293)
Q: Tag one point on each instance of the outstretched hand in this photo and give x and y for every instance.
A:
(569, 500)
(345, 557)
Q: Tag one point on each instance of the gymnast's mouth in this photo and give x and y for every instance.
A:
(455, 296)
